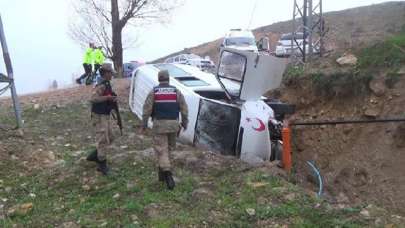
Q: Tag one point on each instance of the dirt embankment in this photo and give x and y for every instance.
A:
(362, 163)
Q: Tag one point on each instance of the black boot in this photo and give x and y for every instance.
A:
(169, 180)
(90, 79)
(102, 167)
(161, 175)
(92, 156)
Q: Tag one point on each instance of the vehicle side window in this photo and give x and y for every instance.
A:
(217, 126)
(177, 59)
(232, 66)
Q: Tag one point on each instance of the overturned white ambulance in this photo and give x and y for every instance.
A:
(226, 111)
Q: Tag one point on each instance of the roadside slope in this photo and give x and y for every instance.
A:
(45, 180)
(361, 163)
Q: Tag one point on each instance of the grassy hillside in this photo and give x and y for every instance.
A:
(383, 59)
(46, 182)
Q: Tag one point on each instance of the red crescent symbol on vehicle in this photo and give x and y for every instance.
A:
(262, 127)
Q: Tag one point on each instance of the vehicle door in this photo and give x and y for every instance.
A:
(247, 75)
(217, 126)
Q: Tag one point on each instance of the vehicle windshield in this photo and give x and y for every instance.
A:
(240, 41)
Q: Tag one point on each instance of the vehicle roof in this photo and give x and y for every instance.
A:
(193, 56)
(179, 71)
(239, 33)
(188, 56)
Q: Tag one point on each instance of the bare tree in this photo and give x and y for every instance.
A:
(106, 22)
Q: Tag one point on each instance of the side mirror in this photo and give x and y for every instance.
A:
(263, 44)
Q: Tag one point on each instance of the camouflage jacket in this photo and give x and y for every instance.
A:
(98, 94)
(165, 126)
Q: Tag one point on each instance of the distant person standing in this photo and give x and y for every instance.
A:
(99, 58)
(163, 104)
(88, 61)
(102, 101)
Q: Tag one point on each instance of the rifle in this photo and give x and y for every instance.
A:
(117, 116)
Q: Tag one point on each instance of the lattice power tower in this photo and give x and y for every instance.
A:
(308, 20)
(8, 79)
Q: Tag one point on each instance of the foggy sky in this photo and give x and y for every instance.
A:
(41, 51)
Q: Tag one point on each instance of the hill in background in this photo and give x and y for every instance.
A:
(349, 28)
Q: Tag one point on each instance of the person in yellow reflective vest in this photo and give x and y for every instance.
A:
(88, 61)
(98, 58)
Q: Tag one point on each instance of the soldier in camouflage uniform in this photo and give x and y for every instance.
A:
(163, 104)
(101, 106)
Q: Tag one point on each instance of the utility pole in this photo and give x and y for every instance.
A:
(9, 78)
(308, 20)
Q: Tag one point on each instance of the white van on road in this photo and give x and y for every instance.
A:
(284, 48)
(204, 64)
(240, 40)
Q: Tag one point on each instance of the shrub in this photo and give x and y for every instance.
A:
(387, 54)
(292, 74)
(340, 83)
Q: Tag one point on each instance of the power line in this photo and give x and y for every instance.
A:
(252, 14)
(337, 122)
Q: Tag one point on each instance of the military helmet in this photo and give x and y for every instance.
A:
(107, 67)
